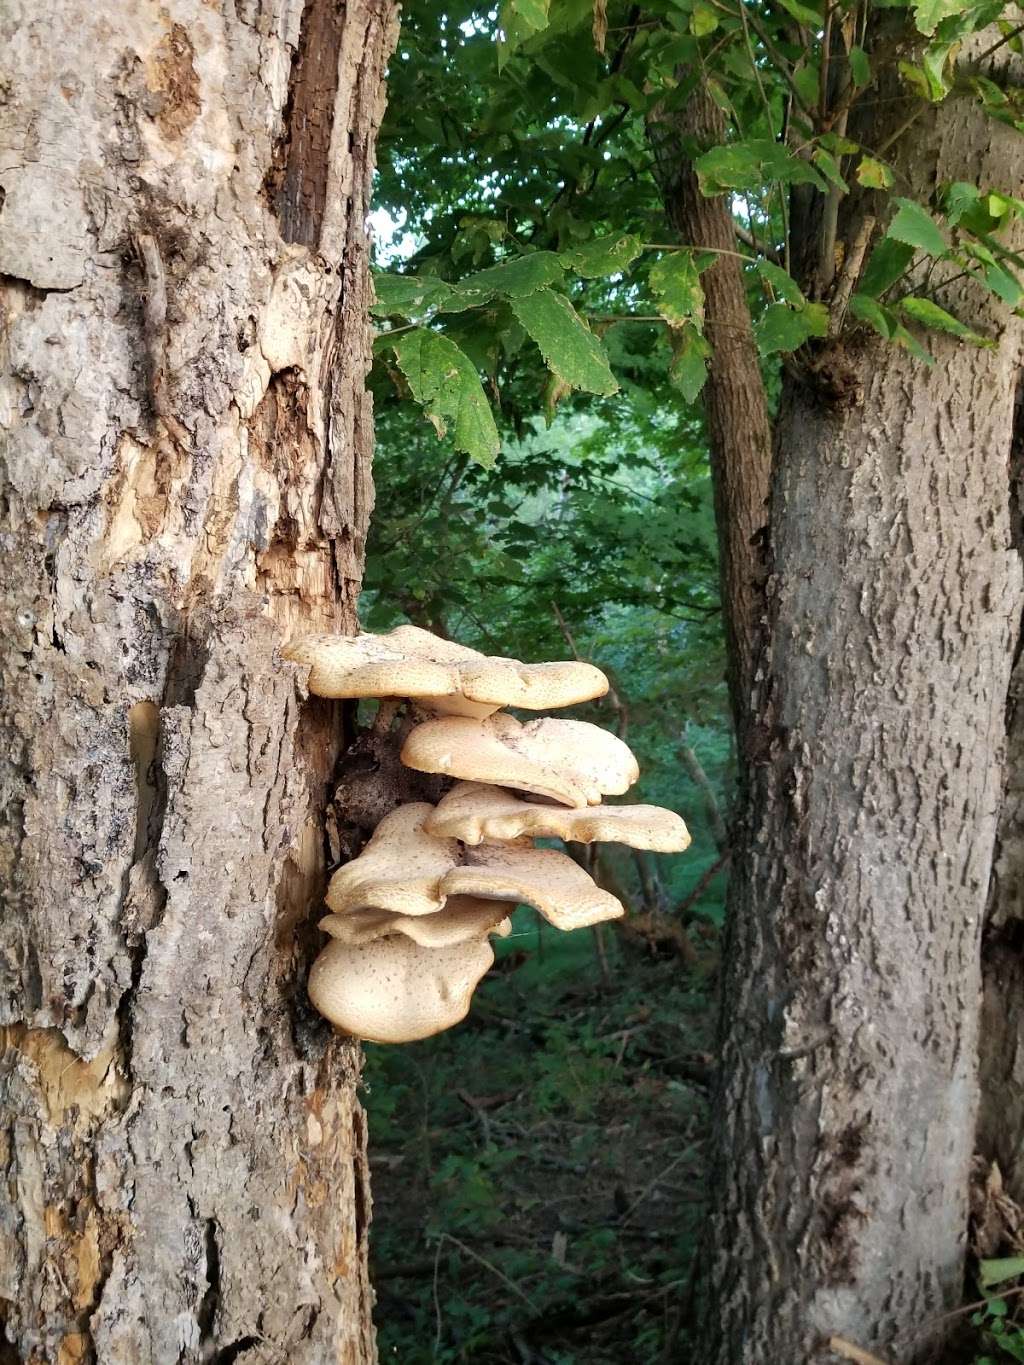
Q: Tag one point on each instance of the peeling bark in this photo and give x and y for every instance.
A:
(184, 481)
(850, 1002)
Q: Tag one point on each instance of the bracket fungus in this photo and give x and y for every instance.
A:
(475, 813)
(414, 913)
(570, 761)
(439, 675)
(394, 990)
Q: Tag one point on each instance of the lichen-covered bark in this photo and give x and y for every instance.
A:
(184, 480)
(850, 1019)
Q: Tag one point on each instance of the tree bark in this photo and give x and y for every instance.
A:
(850, 1014)
(185, 480)
(1001, 1120)
(735, 404)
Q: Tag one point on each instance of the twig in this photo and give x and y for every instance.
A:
(706, 878)
(510, 1284)
(849, 276)
(688, 1151)
(849, 1351)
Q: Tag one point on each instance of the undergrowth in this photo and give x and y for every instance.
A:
(539, 1172)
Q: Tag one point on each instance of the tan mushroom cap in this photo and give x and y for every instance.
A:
(569, 761)
(566, 895)
(349, 666)
(473, 813)
(400, 869)
(438, 674)
(462, 918)
(394, 990)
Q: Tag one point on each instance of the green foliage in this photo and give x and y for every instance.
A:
(675, 282)
(443, 379)
(571, 351)
(1002, 1338)
(516, 154)
(513, 1200)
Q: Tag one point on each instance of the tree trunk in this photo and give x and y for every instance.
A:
(186, 479)
(850, 1018)
(735, 405)
(1001, 1121)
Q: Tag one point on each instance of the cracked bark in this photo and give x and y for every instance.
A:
(849, 1088)
(1001, 1121)
(185, 480)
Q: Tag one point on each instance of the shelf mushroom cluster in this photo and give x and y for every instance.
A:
(412, 916)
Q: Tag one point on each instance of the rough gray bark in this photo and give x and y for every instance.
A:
(850, 1019)
(1001, 1120)
(185, 479)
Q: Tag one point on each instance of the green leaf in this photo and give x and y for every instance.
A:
(888, 262)
(407, 295)
(1004, 285)
(917, 228)
(802, 13)
(915, 78)
(515, 277)
(569, 347)
(959, 198)
(747, 165)
(867, 310)
(933, 64)
(874, 175)
(689, 363)
(703, 20)
(829, 167)
(860, 67)
(781, 328)
(604, 255)
(675, 282)
(998, 1271)
(444, 382)
(910, 343)
(518, 21)
(781, 282)
(807, 81)
(929, 314)
(928, 14)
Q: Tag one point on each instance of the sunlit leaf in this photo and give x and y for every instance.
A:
(874, 174)
(675, 282)
(604, 255)
(929, 314)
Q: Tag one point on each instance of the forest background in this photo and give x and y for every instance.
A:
(546, 1202)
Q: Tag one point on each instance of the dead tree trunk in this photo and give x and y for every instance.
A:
(185, 480)
(850, 1016)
